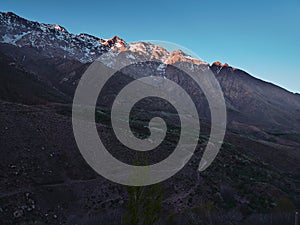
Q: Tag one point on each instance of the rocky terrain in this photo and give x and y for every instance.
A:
(45, 180)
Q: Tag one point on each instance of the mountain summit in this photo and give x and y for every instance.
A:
(56, 41)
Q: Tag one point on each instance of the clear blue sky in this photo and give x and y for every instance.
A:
(259, 36)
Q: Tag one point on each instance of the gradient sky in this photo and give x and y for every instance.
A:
(261, 37)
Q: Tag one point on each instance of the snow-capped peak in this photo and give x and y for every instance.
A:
(115, 43)
(57, 27)
(56, 41)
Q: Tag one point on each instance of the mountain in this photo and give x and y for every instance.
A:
(45, 178)
(55, 41)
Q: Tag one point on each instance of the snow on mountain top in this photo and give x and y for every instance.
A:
(56, 41)
(221, 65)
(60, 28)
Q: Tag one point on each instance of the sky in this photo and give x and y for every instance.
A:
(259, 36)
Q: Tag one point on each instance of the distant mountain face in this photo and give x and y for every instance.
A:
(52, 40)
(52, 60)
(56, 41)
(59, 58)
